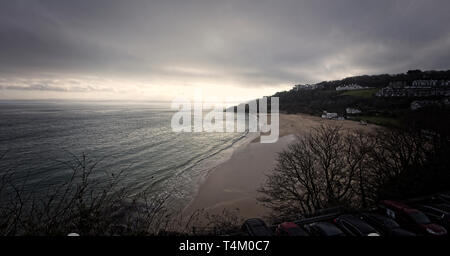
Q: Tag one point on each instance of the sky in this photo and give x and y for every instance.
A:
(159, 50)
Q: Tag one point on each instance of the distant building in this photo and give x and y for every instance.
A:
(430, 83)
(352, 111)
(424, 83)
(417, 104)
(417, 88)
(351, 87)
(299, 87)
(327, 115)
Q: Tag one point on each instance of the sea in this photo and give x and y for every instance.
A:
(41, 140)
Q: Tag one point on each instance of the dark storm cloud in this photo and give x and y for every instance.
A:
(252, 42)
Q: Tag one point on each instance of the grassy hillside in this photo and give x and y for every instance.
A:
(383, 111)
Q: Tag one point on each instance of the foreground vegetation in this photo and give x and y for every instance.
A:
(353, 169)
(88, 205)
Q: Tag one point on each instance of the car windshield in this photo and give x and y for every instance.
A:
(261, 231)
(330, 229)
(364, 227)
(444, 207)
(390, 223)
(360, 225)
(419, 217)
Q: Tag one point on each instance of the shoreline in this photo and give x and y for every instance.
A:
(249, 138)
(233, 184)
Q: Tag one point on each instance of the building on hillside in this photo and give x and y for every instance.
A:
(352, 111)
(417, 88)
(430, 83)
(299, 87)
(327, 115)
(418, 104)
(350, 87)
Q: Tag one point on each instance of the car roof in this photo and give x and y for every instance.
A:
(358, 223)
(395, 204)
(402, 232)
(327, 227)
(289, 225)
(446, 195)
(444, 207)
(295, 231)
(386, 221)
(432, 207)
(374, 215)
(410, 210)
(323, 224)
(351, 218)
(261, 230)
(400, 206)
(255, 221)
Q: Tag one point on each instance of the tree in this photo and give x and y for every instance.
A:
(331, 167)
(82, 204)
(408, 163)
(317, 171)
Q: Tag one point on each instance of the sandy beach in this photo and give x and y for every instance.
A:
(234, 184)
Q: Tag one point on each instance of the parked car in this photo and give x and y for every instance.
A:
(386, 225)
(444, 197)
(290, 229)
(443, 207)
(436, 214)
(354, 226)
(324, 229)
(438, 199)
(256, 227)
(411, 219)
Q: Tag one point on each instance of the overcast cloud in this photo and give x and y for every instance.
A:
(232, 46)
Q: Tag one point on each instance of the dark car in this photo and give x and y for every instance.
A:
(386, 225)
(443, 207)
(445, 198)
(324, 229)
(354, 226)
(256, 227)
(290, 229)
(436, 214)
(411, 219)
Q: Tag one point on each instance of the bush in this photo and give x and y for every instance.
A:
(82, 204)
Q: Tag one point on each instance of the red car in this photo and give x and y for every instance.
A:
(290, 229)
(411, 219)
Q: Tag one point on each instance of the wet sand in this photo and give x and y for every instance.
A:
(234, 184)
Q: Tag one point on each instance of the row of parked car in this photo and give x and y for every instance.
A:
(428, 216)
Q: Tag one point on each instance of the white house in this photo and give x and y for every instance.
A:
(350, 87)
(352, 111)
(299, 87)
(327, 115)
